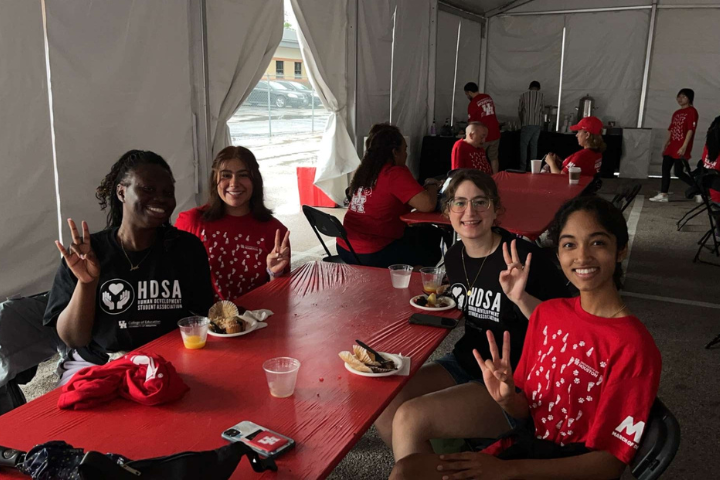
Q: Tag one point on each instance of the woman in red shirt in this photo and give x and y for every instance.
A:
(383, 189)
(247, 246)
(589, 159)
(588, 374)
(711, 154)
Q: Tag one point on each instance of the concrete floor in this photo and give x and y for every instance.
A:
(677, 299)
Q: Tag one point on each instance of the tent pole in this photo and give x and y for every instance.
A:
(646, 72)
(578, 10)
(562, 65)
(457, 49)
(483, 59)
(431, 70)
(392, 62)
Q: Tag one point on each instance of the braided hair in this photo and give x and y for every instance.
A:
(381, 143)
(712, 141)
(106, 193)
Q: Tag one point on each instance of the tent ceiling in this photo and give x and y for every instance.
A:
(483, 7)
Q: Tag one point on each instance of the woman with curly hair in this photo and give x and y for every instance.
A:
(120, 288)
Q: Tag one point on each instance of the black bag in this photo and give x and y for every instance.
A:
(58, 460)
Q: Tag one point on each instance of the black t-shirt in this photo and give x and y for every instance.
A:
(487, 308)
(135, 307)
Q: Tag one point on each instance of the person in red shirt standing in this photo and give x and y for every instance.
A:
(679, 143)
(382, 190)
(247, 246)
(589, 159)
(468, 152)
(588, 374)
(482, 109)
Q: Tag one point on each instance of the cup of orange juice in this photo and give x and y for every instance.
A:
(431, 278)
(194, 331)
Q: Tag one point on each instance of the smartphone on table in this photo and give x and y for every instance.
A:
(263, 441)
(433, 320)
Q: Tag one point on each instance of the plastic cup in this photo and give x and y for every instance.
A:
(574, 175)
(431, 278)
(535, 166)
(194, 331)
(281, 373)
(400, 275)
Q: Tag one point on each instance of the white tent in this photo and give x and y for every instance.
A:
(81, 82)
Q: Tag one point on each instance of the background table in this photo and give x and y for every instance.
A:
(320, 309)
(529, 202)
(436, 152)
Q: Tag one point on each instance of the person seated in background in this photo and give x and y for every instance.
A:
(587, 377)
(246, 245)
(482, 109)
(468, 152)
(711, 154)
(480, 271)
(120, 288)
(589, 159)
(382, 190)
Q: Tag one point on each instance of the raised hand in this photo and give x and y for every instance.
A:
(80, 257)
(514, 280)
(279, 258)
(497, 372)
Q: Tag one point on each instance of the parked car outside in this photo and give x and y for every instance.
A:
(309, 93)
(280, 95)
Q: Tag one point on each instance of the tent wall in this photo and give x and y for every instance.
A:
(446, 46)
(468, 64)
(520, 50)
(120, 80)
(28, 258)
(687, 57)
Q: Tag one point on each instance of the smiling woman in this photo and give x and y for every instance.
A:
(117, 289)
(246, 245)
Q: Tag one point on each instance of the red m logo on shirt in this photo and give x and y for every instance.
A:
(631, 428)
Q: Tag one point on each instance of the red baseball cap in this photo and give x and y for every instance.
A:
(590, 124)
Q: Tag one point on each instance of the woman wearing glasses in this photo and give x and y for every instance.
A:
(447, 399)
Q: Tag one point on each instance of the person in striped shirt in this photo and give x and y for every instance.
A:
(530, 110)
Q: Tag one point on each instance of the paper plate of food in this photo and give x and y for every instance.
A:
(432, 303)
(226, 320)
(363, 363)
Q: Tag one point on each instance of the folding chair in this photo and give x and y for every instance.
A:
(704, 181)
(331, 227)
(659, 444)
(630, 194)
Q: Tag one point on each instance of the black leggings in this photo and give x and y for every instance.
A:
(420, 245)
(668, 163)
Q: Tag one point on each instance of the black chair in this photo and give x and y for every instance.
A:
(659, 444)
(704, 180)
(330, 226)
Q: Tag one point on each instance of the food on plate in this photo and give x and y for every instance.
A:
(364, 361)
(430, 301)
(225, 318)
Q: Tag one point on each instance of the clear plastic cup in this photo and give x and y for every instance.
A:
(431, 278)
(535, 166)
(574, 175)
(281, 373)
(400, 275)
(194, 331)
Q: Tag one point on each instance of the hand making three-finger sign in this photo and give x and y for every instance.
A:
(513, 280)
(279, 258)
(80, 257)
(497, 372)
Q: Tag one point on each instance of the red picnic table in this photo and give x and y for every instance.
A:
(320, 309)
(529, 201)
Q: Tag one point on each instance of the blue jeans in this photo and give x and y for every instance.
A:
(528, 134)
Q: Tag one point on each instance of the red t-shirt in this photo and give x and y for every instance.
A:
(373, 220)
(587, 379)
(482, 109)
(237, 249)
(711, 165)
(465, 155)
(683, 120)
(588, 160)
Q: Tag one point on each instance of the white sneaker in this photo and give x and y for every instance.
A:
(660, 197)
(698, 199)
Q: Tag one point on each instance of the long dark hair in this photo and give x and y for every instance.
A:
(106, 193)
(607, 215)
(215, 207)
(712, 141)
(381, 143)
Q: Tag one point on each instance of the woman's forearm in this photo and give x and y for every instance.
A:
(516, 406)
(597, 465)
(527, 304)
(75, 323)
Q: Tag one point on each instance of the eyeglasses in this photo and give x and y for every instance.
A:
(480, 204)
